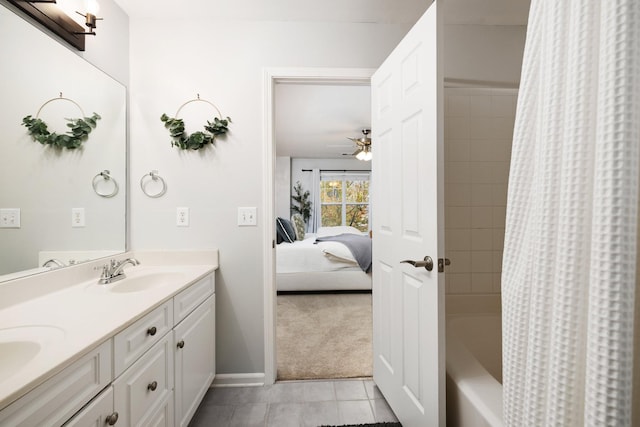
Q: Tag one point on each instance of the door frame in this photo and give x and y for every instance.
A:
(271, 76)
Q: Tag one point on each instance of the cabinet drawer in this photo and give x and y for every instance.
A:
(131, 343)
(186, 301)
(57, 399)
(96, 412)
(145, 389)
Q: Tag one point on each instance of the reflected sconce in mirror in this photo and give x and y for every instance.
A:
(51, 16)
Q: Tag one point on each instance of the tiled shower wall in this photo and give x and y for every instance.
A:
(478, 134)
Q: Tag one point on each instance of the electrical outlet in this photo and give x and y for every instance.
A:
(77, 217)
(182, 217)
(10, 218)
(247, 216)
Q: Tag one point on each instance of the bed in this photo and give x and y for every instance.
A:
(305, 265)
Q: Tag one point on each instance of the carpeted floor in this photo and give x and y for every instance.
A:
(324, 336)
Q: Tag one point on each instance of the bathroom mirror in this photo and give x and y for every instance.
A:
(51, 191)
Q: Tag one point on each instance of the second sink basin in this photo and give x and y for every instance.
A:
(21, 344)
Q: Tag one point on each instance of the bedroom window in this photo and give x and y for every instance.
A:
(344, 200)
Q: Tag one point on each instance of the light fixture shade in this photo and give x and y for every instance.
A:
(93, 7)
(368, 156)
(361, 155)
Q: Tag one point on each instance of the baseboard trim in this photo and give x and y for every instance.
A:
(239, 380)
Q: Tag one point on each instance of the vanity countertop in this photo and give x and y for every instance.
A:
(60, 322)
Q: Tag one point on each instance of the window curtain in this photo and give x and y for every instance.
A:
(569, 281)
(314, 222)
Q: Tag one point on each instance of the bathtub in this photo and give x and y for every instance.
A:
(474, 370)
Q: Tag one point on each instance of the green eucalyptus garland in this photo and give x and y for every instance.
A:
(78, 133)
(197, 140)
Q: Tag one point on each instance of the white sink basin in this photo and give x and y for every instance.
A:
(142, 278)
(21, 344)
(144, 282)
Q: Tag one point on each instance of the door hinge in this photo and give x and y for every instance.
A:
(273, 244)
(441, 263)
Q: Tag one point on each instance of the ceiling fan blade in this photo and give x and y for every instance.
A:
(356, 152)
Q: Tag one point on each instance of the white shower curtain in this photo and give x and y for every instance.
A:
(569, 269)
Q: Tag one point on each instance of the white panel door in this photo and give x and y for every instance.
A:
(407, 136)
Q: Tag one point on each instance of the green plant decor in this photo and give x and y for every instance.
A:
(197, 140)
(78, 133)
(302, 199)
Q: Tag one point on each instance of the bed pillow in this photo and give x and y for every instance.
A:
(299, 225)
(285, 231)
(340, 229)
(337, 251)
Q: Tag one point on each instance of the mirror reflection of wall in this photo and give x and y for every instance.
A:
(47, 184)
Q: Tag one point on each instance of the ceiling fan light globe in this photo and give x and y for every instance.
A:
(361, 155)
(367, 156)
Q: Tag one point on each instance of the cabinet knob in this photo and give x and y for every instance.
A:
(153, 386)
(112, 419)
(180, 344)
(152, 331)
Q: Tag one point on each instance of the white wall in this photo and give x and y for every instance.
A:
(172, 61)
(283, 186)
(489, 54)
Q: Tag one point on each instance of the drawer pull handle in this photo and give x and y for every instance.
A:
(153, 386)
(152, 331)
(112, 419)
(181, 344)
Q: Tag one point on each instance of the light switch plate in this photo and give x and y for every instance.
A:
(10, 218)
(247, 216)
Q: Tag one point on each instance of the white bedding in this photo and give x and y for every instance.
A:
(306, 256)
(307, 266)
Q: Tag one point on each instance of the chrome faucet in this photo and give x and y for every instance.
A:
(113, 271)
(56, 263)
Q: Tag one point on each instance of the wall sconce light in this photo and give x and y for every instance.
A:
(90, 17)
(48, 14)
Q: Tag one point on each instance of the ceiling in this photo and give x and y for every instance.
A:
(314, 120)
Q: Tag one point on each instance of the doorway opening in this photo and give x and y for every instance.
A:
(314, 302)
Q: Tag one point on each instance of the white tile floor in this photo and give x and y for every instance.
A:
(295, 404)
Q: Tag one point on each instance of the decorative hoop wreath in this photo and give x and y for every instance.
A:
(197, 140)
(78, 133)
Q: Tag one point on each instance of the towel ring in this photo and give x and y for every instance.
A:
(105, 175)
(154, 177)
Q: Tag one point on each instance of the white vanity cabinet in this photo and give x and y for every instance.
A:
(154, 372)
(57, 399)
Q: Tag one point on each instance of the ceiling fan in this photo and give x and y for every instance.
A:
(364, 146)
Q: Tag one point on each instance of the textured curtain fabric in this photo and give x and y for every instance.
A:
(569, 266)
(315, 201)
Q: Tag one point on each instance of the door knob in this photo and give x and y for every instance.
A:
(427, 263)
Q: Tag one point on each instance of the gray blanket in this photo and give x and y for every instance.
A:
(359, 245)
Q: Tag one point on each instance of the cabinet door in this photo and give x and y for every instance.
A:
(98, 413)
(194, 359)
